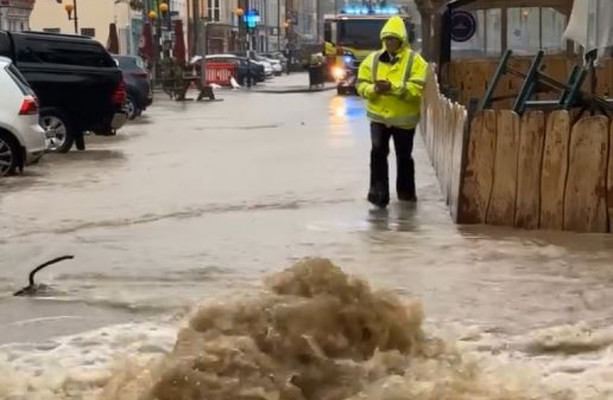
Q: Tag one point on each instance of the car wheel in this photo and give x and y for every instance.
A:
(9, 154)
(58, 129)
(131, 108)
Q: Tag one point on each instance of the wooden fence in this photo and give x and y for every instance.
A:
(539, 171)
(443, 127)
(535, 171)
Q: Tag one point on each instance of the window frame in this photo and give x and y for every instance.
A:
(564, 48)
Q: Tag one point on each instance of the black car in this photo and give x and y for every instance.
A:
(138, 84)
(242, 66)
(78, 84)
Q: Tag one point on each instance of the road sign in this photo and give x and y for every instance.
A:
(463, 26)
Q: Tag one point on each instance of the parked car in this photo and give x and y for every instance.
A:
(279, 56)
(22, 139)
(242, 66)
(254, 59)
(268, 68)
(276, 65)
(78, 84)
(139, 94)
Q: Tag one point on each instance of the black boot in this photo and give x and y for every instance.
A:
(411, 197)
(80, 141)
(379, 196)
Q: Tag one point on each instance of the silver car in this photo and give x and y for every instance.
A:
(22, 139)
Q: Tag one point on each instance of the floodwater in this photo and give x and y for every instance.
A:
(176, 223)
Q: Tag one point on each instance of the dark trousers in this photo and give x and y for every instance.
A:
(403, 144)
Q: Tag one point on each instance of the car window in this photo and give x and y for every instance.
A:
(19, 79)
(130, 63)
(86, 54)
(5, 45)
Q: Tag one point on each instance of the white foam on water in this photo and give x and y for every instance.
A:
(77, 366)
(318, 334)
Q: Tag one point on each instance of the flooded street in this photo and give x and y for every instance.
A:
(198, 202)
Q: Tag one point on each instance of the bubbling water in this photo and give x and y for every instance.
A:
(315, 334)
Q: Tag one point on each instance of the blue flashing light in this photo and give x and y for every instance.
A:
(357, 10)
(347, 59)
(251, 18)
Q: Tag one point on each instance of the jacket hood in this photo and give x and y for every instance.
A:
(395, 27)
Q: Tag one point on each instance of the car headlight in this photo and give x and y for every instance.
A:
(338, 73)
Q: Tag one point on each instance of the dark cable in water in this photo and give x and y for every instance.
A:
(32, 288)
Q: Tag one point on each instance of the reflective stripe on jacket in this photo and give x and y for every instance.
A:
(400, 107)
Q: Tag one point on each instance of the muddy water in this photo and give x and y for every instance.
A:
(196, 203)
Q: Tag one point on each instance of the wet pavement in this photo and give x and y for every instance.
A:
(200, 200)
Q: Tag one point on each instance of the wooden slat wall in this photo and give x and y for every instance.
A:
(472, 76)
(443, 126)
(501, 208)
(610, 180)
(556, 176)
(585, 202)
(555, 168)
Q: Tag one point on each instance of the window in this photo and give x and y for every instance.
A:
(89, 32)
(63, 52)
(493, 32)
(51, 30)
(534, 28)
(214, 10)
(553, 26)
(475, 46)
(19, 79)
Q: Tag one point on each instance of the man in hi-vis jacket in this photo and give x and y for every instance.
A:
(392, 81)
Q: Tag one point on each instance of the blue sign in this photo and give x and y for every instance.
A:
(463, 26)
(251, 18)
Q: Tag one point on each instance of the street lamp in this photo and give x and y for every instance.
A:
(69, 9)
(239, 17)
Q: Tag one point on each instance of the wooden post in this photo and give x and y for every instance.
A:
(425, 10)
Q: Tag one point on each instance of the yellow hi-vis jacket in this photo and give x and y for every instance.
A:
(400, 107)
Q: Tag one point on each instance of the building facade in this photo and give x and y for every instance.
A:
(95, 16)
(15, 14)
(224, 30)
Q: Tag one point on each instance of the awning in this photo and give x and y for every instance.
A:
(591, 25)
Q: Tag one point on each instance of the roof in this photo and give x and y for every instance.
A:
(54, 35)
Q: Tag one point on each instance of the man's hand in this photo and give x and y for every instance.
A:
(382, 86)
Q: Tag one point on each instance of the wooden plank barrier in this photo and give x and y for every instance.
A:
(501, 209)
(531, 139)
(535, 171)
(585, 207)
(457, 160)
(443, 127)
(555, 167)
(478, 177)
(610, 179)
